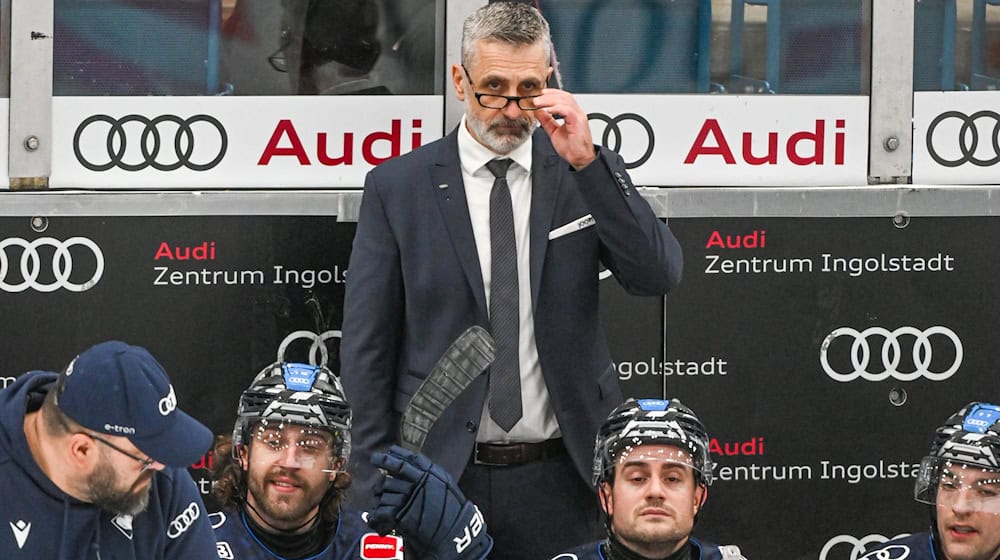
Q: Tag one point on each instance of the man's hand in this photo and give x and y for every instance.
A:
(421, 501)
(571, 139)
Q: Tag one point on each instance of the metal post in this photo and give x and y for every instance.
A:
(891, 139)
(30, 134)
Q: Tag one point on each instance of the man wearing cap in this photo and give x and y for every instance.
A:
(652, 470)
(960, 480)
(93, 463)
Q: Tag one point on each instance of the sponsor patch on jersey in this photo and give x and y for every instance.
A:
(374, 545)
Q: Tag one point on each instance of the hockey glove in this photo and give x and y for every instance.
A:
(421, 501)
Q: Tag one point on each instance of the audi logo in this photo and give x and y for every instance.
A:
(891, 552)
(966, 140)
(858, 547)
(62, 264)
(317, 350)
(612, 136)
(184, 521)
(861, 352)
(217, 519)
(149, 135)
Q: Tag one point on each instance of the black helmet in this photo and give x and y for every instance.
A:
(651, 421)
(294, 393)
(969, 441)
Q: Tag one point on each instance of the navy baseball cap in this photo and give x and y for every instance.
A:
(121, 390)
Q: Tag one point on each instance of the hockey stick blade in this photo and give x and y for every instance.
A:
(466, 359)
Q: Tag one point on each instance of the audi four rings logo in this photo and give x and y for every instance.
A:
(184, 521)
(63, 260)
(966, 140)
(165, 143)
(317, 350)
(858, 547)
(613, 137)
(924, 343)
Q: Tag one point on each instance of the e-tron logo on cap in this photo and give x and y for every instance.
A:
(36, 274)
(975, 141)
(165, 143)
(847, 547)
(888, 362)
(613, 137)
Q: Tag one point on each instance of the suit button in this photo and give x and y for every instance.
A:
(470, 425)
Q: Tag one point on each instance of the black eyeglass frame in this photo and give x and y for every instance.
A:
(515, 98)
(146, 463)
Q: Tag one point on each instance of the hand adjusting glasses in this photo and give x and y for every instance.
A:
(496, 101)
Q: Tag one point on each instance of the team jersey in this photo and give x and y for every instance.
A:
(703, 551)
(919, 546)
(352, 540)
(38, 520)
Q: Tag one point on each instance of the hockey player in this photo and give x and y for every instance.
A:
(960, 478)
(281, 479)
(652, 471)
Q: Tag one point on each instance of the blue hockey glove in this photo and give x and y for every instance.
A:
(421, 501)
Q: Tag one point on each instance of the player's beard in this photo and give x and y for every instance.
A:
(488, 133)
(284, 512)
(105, 493)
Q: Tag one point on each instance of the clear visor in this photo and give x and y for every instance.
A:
(666, 455)
(947, 484)
(300, 447)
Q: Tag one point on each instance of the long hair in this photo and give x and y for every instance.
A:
(230, 482)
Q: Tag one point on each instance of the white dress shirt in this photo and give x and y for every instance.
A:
(538, 421)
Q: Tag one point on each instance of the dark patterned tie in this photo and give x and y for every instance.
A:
(505, 373)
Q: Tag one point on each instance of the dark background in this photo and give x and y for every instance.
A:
(774, 401)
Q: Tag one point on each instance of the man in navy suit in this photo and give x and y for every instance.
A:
(423, 270)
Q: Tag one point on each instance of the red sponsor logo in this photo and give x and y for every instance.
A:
(203, 252)
(805, 147)
(752, 446)
(375, 148)
(756, 239)
(388, 547)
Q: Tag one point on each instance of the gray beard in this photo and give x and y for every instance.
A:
(106, 494)
(500, 143)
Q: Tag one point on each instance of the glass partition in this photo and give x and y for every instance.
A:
(246, 47)
(700, 46)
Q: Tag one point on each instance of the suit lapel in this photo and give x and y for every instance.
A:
(544, 192)
(449, 191)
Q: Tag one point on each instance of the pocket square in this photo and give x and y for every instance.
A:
(583, 222)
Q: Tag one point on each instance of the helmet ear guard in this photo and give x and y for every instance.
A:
(294, 393)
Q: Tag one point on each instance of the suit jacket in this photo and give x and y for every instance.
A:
(414, 284)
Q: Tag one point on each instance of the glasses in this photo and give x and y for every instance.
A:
(146, 463)
(494, 101)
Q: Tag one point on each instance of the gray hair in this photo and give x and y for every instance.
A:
(513, 23)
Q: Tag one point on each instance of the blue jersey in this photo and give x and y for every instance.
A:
(702, 551)
(41, 521)
(919, 546)
(353, 540)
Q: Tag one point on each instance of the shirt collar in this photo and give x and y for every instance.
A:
(474, 156)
